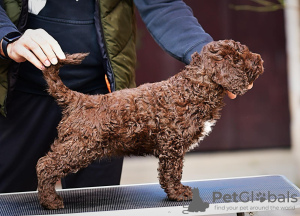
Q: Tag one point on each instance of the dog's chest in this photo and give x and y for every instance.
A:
(207, 128)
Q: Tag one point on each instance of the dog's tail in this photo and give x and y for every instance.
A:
(56, 87)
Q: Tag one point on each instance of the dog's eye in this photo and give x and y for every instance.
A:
(237, 60)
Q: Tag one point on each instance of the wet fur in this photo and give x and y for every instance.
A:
(163, 119)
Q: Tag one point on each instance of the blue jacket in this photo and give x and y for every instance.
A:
(173, 26)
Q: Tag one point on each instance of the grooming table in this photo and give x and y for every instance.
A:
(150, 199)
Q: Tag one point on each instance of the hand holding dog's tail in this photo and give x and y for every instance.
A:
(56, 87)
(73, 59)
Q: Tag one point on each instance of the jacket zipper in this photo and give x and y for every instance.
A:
(102, 43)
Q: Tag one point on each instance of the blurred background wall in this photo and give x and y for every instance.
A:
(261, 118)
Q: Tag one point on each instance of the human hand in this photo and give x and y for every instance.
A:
(37, 47)
(233, 96)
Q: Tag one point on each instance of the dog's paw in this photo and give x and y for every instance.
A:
(181, 193)
(52, 203)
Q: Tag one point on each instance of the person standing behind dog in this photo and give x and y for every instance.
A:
(36, 33)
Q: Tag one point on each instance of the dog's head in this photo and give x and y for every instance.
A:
(229, 64)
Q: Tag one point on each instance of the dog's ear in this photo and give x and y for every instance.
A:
(223, 63)
(231, 79)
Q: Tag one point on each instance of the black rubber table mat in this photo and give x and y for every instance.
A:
(142, 196)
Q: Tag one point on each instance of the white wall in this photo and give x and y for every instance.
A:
(292, 23)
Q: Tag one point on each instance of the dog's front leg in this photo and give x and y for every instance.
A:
(170, 174)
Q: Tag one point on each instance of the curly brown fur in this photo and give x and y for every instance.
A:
(162, 119)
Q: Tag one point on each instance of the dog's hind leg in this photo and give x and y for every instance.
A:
(64, 158)
(47, 178)
(170, 174)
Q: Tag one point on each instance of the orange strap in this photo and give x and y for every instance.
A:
(107, 84)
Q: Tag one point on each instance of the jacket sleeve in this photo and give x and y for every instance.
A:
(173, 26)
(6, 26)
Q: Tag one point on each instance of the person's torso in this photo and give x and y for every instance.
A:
(72, 24)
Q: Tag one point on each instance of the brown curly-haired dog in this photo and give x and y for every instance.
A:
(163, 119)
